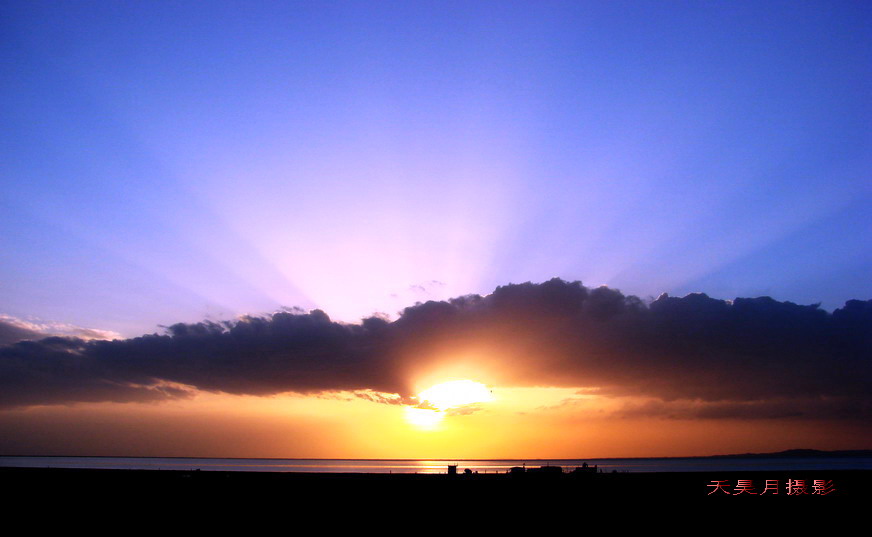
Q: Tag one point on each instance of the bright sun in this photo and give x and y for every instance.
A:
(456, 393)
(445, 396)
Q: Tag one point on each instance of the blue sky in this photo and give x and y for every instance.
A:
(175, 161)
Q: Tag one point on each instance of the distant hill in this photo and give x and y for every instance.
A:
(799, 453)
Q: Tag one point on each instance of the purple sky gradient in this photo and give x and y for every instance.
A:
(170, 162)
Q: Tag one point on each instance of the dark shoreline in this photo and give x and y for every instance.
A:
(138, 485)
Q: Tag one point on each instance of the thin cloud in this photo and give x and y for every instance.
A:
(13, 329)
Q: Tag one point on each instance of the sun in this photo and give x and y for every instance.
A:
(437, 400)
(424, 418)
(455, 393)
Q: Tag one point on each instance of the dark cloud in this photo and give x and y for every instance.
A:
(746, 358)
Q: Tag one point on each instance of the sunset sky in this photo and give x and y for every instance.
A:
(263, 229)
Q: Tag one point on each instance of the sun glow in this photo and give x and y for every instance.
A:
(438, 400)
(455, 393)
(424, 418)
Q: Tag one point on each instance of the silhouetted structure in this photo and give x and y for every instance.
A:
(517, 470)
(585, 469)
(546, 471)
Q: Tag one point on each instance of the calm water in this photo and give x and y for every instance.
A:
(435, 466)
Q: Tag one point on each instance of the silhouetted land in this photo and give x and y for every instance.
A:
(560, 490)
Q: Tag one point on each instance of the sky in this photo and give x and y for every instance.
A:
(274, 209)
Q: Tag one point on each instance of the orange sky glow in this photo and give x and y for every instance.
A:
(519, 423)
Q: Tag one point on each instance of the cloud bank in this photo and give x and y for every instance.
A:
(694, 356)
